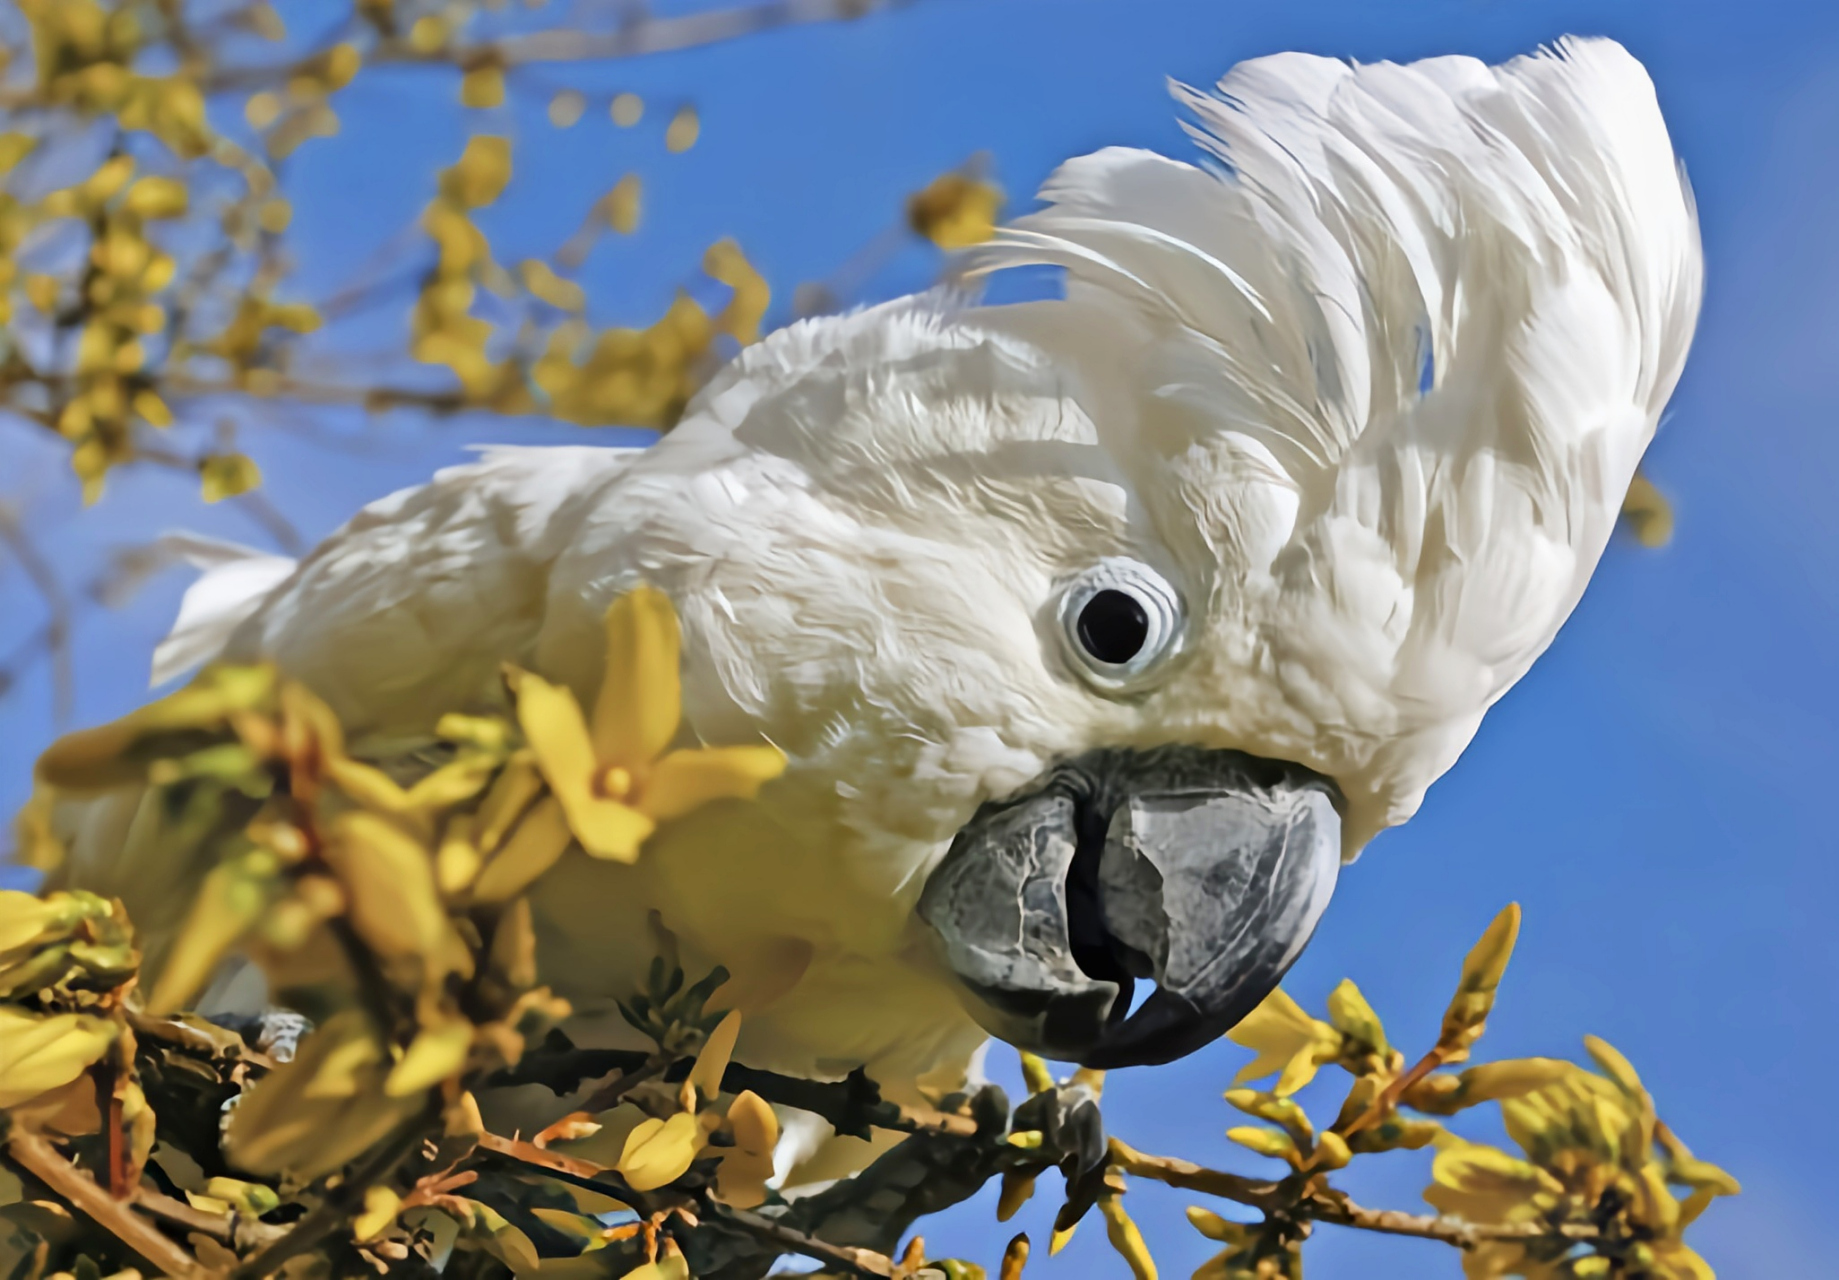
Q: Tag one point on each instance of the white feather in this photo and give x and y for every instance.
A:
(231, 587)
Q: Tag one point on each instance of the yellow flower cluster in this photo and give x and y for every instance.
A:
(393, 908)
(1595, 1155)
(1589, 1197)
(120, 305)
(157, 317)
(85, 56)
(119, 298)
(636, 377)
(956, 210)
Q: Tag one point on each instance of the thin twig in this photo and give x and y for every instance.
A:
(80, 1190)
(862, 1262)
(376, 399)
(239, 1231)
(57, 605)
(1300, 1200)
(256, 505)
(1259, 1193)
(218, 1226)
(1388, 1099)
(630, 40)
(1333, 1207)
(541, 1157)
(601, 1178)
(613, 1090)
(580, 1173)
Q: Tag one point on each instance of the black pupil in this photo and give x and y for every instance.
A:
(1113, 627)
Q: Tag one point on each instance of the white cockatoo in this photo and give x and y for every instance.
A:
(1098, 631)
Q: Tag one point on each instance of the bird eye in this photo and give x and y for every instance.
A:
(1119, 619)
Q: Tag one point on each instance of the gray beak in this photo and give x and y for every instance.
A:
(1204, 870)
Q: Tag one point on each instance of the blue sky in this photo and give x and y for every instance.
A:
(1653, 793)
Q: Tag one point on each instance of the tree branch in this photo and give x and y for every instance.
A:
(236, 1230)
(1299, 1200)
(853, 1106)
(630, 40)
(862, 1262)
(1388, 1099)
(609, 1094)
(44, 579)
(1188, 1176)
(81, 1192)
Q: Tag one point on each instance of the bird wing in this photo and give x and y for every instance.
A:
(232, 583)
(1447, 303)
(406, 612)
(412, 607)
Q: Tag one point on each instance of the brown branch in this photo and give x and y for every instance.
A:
(218, 1226)
(81, 1192)
(630, 40)
(861, 1262)
(1389, 1097)
(1324, 1204)
(609, 1094)
(531, 1154)
(1333, 1207)
(279, 528)
(1259, 1193)
(236, 1230)
(376, 399)
(113, 1129)
(183, 386)
(864, 1262)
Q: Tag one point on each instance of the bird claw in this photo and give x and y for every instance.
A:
(1072, 1133)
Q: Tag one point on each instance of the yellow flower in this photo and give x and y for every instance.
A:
(1481, 1183)
(615, 776)
(1287, 1041)
(956, 210)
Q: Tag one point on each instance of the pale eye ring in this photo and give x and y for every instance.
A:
(1119, 620)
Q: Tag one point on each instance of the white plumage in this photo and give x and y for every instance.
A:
(1367, 391)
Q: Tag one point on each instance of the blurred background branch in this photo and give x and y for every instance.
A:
(154, 317)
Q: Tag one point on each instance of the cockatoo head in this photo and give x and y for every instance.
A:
(1022, 643)
(1109, 626)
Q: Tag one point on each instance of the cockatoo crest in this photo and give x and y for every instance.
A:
(1400, 355)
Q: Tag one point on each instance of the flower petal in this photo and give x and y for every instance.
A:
(712, 1061)
(741, 1179)
(533, 847)
(661, 1151)
(1285, 1039)
(641, 694)
(688, 779)
(42, 1053)
(611, 830)
(436, 1053)
(551, 719)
